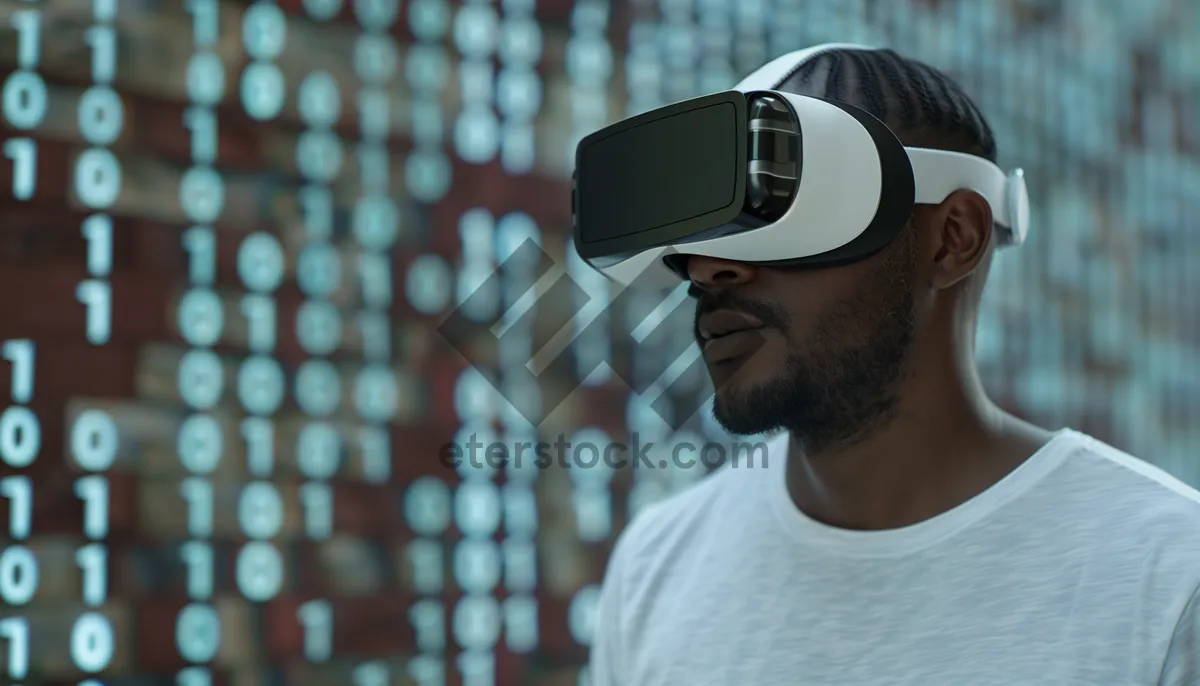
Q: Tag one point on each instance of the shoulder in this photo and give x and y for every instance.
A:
(1130, 511)
(1130, 487)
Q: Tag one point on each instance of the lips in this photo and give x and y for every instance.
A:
(722, 323)
(732, 346)
(727, 335)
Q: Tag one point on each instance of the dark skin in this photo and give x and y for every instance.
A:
(908, 431)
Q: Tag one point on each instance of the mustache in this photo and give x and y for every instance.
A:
(770, 314)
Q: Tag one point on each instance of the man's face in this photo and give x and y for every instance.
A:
(829, 348)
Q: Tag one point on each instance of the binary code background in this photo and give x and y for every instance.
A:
(228, 232)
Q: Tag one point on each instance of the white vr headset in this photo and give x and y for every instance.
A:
(762, 176)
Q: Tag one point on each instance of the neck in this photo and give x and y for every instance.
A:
(945, 443)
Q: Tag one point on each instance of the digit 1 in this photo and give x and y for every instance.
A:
(23, 153)
(259, 435)
(204, 22)
(317, 500)
(16, 631)
(93, 560)
(198, 556)
(28, 25)
(259, 311)
(21, 354)
(98, 231)
(376, 275)
(199, 497)
(377, 467)
(376, 335)
(20, 505)
(103, 41)
(203, 124)
(201, 247)
(316, 202)
(104, 10)
(96, 296)
(93, 491)
(316, 616)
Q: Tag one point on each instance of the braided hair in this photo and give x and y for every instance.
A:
(921, 105)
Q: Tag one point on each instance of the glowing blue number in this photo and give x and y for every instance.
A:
(318, 270)
(205, 79)
(427, 175)
(260, 510)
(520, 624)
(259, 571)
(23, 153)
(97, 178)
(198, 633)
(24, 100)
(375, 394)
(260, 262)
(199, 444)
(202, 194)
(201, 247)
(317, 500)
(428, 283)
(427, 506)
(318, 388)
(18, 576)
(96, 297)
(260, 385)
(318, 327)
(318, 451)
(28, 25)
(316, 616)
(319, 155)
(92, 642)
(101, 115)
(201, 379)
(316, 202)
(429, 19)
(477, 508)
(97, 231)
(477, 622)
(103, 41)
(20, 436)
(201, 317)
(94, 441)
(263, 91)
(375, 58)
(320, 103)
(477, 565)
(264, 31)
(376, 223)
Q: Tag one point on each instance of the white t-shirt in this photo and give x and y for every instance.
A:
(1079, 568)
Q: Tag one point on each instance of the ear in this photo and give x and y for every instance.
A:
(961, 232)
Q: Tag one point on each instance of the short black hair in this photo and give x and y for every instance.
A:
(923, 106)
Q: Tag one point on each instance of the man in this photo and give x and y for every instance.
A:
(906, 530)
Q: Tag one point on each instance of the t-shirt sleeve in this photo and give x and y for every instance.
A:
(1182, 667)
(607, 654)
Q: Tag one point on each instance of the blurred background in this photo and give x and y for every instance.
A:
(229, 232)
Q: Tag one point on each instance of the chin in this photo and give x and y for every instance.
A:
(731, 412)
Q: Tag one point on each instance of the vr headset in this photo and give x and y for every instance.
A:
(765, 177)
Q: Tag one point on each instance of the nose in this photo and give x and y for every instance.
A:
(715, 272)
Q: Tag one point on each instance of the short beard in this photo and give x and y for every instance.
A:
(841, 384)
